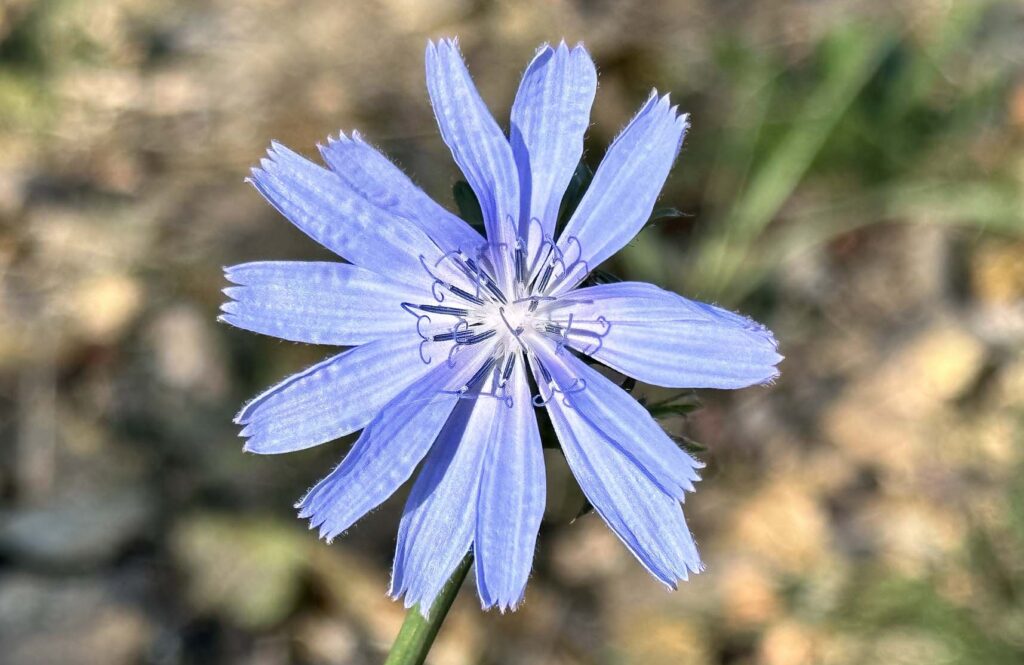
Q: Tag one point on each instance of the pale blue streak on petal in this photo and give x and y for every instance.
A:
(319, 302)
(661, 338)
(511, 501)
(478, 146)
(437, 526)
(622, 420)
(333, 398)
(648, 521)
(388, 450)
(368, 172)
(621, 196)
(550, 116)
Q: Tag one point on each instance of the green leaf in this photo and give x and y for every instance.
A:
(688, 444)
(469, 206)
(578, 186)
(681, 404)
(666, 213)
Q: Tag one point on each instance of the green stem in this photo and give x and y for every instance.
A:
(418, 632)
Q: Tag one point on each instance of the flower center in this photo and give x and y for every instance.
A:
(506, 317)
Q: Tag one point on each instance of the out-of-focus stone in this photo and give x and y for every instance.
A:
(783, 526)
(884, 416)
(997, 272)
(932, 368)
(748, 594)
(419, 16)
(327, 641)
(587, 550)
(913, 536)
(103, 305)
(187, 354)
(788, 643)
(657, 638)
(78, 531)
(248, 570)
(68, 621)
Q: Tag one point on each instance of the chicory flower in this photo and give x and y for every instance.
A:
(448, 329)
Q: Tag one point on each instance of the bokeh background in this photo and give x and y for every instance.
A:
(854, 178)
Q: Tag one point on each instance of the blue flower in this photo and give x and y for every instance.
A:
(448, 328)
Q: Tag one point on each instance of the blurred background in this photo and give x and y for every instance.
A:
(854, 178)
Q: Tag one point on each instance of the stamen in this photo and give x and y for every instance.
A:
(480, 337)
(510, 364)
(520, 261)
(465, 295)
(487, 282)
(456, 334)
(479, 374)
(439, 309)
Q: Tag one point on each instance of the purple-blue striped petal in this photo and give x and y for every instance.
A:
(621, 196)
(388, 450)
(324, 207)
(648, 521)
(368, 172)
(440, 516)
(621, 420)
(478, 146)
(319, 302)
(661, 338)
(330, 399)
(511, 502)
(549, 118)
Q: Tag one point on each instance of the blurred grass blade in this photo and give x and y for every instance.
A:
(851, 56)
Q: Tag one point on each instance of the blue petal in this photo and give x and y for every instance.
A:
(323, 206)
(319, 302)
(549, 118)
(439, 519)
(331, 399)
(621, 197)
(621, 420)
(477, 144)
(383, 184)
(389, 449)
(511, 501)
(648, 521)
(664, 339)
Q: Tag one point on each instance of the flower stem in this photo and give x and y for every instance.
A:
(418, 632)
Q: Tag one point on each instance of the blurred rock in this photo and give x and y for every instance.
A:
(103, 305)
(782, 525)
(327, 641)
(586, 551)
(68, 621)
(186, 352)
(78, 531)
(748, 594)
(882, 416)
(788, 643)
(248, 570)
(997, 272)
(914, 537)
(655, 638)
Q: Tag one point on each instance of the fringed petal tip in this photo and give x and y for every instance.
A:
(501, 605)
